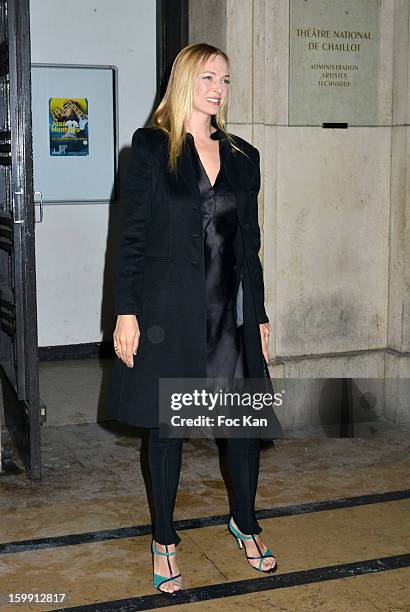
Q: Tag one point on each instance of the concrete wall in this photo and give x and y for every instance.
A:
(74, 244)
(207, 22)
(334, 210)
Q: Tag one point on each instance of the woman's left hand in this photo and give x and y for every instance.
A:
(265, 328)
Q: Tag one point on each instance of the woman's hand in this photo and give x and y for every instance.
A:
(264, 329)
(126, 338)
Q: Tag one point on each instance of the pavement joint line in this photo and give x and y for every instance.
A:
(200, 522)
(248, 586)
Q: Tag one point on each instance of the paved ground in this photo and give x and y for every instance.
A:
(330, 552)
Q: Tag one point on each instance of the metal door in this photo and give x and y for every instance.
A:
(18, 311)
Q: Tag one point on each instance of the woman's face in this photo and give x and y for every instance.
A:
(212, 86)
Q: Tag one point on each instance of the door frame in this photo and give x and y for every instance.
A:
(20, 378)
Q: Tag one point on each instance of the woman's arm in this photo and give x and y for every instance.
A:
(255, 244)
(133, 229)
(136, 203)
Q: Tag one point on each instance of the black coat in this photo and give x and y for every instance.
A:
(161, 276)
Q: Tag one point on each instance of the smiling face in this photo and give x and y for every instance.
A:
(212, 86)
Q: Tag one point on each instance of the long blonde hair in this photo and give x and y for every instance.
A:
(178, 100)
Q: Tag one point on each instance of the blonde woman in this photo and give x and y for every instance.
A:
(190, 293)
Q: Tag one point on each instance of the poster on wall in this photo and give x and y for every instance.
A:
(68, 125)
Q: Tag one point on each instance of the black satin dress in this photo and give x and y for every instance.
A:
(225, 348)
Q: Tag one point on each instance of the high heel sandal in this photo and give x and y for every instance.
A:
(158, 579)
(268, 553)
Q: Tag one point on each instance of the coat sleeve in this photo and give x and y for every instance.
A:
(253, 256)
(135, 212)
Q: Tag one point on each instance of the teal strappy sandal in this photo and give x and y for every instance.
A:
(158, 579)
(268, 553)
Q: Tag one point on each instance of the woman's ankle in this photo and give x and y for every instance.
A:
(235, 526)
(163, 547)
(245, 533)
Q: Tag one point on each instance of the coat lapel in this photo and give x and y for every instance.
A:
(231, 160)
(236, 176)
(186, 170)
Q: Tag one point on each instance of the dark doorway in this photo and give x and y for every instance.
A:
(172, 36)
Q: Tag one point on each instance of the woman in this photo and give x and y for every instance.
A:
(190, 295)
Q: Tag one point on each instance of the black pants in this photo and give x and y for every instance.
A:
(240, 457)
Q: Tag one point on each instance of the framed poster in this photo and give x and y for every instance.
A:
(75, 149)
